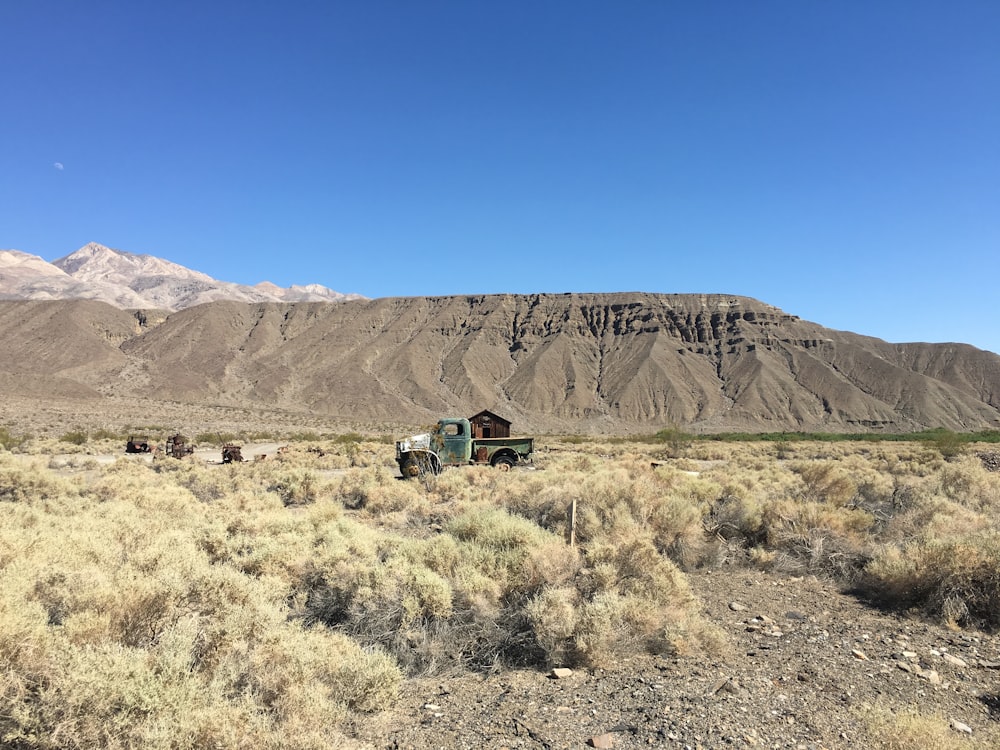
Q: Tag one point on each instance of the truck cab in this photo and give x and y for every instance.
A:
(452, 441)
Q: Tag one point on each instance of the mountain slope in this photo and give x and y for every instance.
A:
(131, 281)
(617, 363)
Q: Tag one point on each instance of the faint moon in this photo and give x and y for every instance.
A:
(58, 165)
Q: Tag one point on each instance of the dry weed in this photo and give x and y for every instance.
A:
(912, 729)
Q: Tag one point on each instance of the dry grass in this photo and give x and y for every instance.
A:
(912, 729)
(172, 603)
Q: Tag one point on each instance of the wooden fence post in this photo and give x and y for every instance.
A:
(572, 523)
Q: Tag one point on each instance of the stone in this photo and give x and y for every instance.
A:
(737, 607)
(561, 673)
(719, 685)
(602, 741)
(955, 661)
(960, 727)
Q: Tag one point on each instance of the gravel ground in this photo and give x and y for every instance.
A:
(807, 664)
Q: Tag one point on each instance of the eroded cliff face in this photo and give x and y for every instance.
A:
(629, 362)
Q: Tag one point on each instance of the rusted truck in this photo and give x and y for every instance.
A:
(452, 443)
(178, 446)
(232, 453)
(138, 445)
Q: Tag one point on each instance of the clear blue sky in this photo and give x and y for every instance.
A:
(840, 160)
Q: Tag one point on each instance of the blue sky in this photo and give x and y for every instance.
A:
(840, 160)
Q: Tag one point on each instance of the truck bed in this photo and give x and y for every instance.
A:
(508, 442)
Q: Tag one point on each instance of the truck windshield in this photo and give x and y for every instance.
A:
(453, 428)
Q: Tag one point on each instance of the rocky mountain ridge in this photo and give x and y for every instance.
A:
(590, 363)
(132, 281)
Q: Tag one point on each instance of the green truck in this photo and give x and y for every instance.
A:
(452, 443)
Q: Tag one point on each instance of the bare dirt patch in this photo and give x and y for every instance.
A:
(809, 667)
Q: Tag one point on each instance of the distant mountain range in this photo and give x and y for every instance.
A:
(130, 281)
(101, 325)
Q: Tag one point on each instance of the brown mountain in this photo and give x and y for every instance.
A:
(616, 363)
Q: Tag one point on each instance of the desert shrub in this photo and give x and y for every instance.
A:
(305, 436)
(31, 483)
(611, 624)
(677, 520)
(738, 519)
(459, 489)
(291, 670)
(292, 689)
(552, 563)
(396, 604)
(498, 544)
(949, 444)
(826, 481)
(74, 437)
(817, 538)
(496, 529)
(546, 504)
(908, 493)
(342, 451)
(783, 450)
(554, 615)
(676, 440)
(295, 487)
(634, 598)
(136, 483)
(215, 438)
(929, 516)
(212, 483)
(793, 535)
(494, 588)
(208, 485)
(635, 567)
(965, 481)
(269, 542)
(376, 492)
(666, 505)
(9, 441)
(349, 438)
(609, 504)
(132, 615)
(955, 581)
(376, 485)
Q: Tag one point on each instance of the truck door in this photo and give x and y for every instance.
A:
(455, 443)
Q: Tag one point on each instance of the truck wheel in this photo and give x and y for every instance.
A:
(503, 463)
(410, 468)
